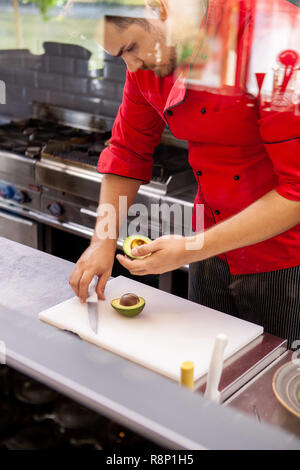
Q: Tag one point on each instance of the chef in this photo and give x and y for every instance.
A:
(245, 155)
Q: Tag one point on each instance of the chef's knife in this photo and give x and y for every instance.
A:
(93, 314)
(92, 306)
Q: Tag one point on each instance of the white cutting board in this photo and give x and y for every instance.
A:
(169, 331)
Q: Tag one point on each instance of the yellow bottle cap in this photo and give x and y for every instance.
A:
(187, 374)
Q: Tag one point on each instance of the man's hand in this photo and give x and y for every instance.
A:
(267, 217)
(99, 257)
(167, 253)
(97, 260)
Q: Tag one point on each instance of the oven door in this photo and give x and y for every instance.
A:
(18, 229)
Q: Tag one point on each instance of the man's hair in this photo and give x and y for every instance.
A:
(123, 22)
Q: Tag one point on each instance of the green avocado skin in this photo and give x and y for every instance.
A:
(129, 240)
(129, 312)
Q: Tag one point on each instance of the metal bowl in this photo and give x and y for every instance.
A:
(286, 386)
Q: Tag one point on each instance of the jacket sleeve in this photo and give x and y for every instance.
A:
(136, 132)
(280, 132)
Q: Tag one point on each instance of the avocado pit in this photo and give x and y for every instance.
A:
(128, 300)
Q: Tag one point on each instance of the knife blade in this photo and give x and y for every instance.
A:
(93, 315)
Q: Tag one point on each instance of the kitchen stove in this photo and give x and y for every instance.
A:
(48, 177)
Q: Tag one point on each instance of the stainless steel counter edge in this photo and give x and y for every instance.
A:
(147, 403)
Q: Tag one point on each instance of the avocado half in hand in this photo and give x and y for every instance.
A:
(129, 305)
(134, 242)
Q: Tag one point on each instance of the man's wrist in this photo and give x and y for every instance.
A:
(200, 246)
(107, 240)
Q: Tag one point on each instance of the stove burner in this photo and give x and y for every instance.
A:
(33, 152)
(28, 130)
(85, 154)
(27, 138)
(20, 150)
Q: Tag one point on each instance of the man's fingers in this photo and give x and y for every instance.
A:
(146, 249)
(135, 267)
(124, 261)
(75, 279)
(84, 285)
(131, 265)
(140, 272)
(101, 285)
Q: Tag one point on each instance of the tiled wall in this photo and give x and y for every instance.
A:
(60, 77)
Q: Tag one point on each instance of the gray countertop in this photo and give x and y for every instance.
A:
(147, 403)
(32, 280)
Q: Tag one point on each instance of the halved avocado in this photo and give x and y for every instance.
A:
(133, 242)
(129, 305)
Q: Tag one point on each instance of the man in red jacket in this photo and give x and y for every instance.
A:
(246, 160)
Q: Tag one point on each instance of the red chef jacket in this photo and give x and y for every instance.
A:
(237, 154)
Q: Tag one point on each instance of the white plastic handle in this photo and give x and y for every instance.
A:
(92, 296)
(215, 368)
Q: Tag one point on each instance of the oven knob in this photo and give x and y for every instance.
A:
(56, 208)
(7, 192)
(21, 197)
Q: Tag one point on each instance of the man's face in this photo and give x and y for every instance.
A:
(141, 48)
